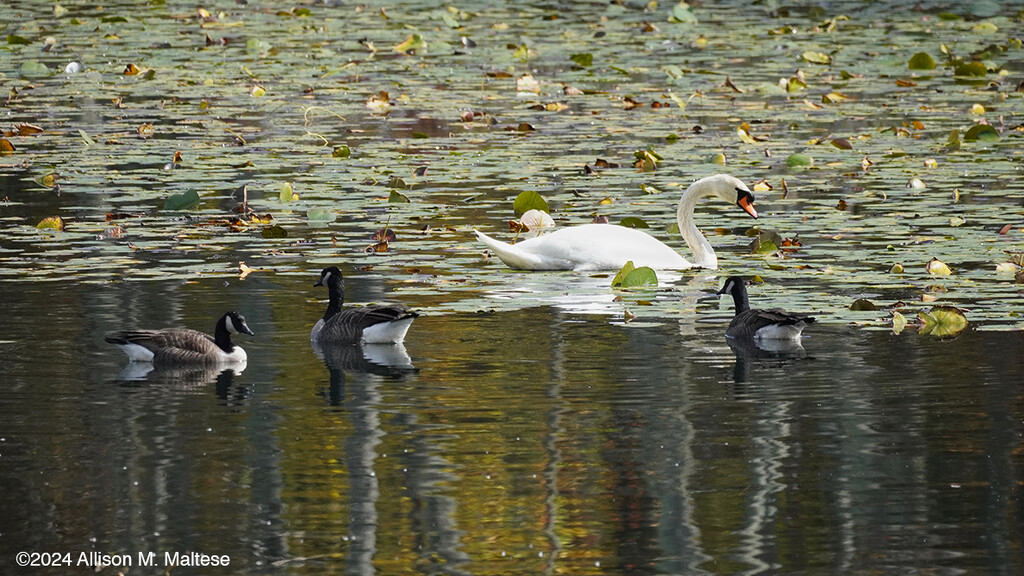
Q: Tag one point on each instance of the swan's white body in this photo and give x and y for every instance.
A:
(609, 247)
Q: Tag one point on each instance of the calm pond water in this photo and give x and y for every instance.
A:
(525, 427)
(522, 442)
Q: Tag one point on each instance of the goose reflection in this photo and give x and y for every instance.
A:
(757, 352)
(195, 377)
(385, 360)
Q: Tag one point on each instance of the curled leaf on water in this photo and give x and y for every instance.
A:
(584, 60)
(842, 143)
(896, 268)
(529, 200)
(51, 223)
(646, 160)
(244, 270)
(397, 197)
(287, 193)
(899, 322)
(6, 148)
(384, 235)
(342, 151)
(630, 276)
(536, 221)
(936, 267)
(146, 130)
(527, 84)
(942, 321)
(25, 129)
(379, 103)
(916, 184)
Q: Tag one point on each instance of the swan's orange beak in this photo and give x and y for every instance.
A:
(746, 201)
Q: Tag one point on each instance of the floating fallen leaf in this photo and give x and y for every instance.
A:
(51, 223)
(971, 69)
(527, 84)
(936, 267)
(743, 131)
(766, 242)
(957, 221)
(146, 130)
(896, 269)
(27, 129)
(916, 184)
(628, 316)
(396, 197)
(1006, 268)
(977, 109)
(379, 103)
(6, 148)
(342, 151)
(762, 185)
(682, 14)
(584, 60)
(1005, 229)
(48, 180)
(718, 159)
(646, 160)
(256, 91)
(243, 270)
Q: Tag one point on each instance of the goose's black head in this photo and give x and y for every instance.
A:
(735, 286)
(732, 285)
(235, 323)
(329, 275)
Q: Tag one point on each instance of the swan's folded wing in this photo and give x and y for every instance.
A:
(515, 257)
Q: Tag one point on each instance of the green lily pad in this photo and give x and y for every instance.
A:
(942, 321)
(799, 161)
(921, 61)
(275, 231)
(633, 222)
(184, 201)
(397, 197)
(981, 132)
(971, 69)
(33, 69)
(584, 59)
(529, 200)
(321, 215)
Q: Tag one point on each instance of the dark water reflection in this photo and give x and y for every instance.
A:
(527, 442)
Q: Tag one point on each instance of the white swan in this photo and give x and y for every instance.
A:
(609, 247)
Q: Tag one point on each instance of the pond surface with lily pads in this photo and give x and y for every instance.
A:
(161, 163)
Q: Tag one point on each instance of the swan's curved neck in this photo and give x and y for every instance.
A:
(336, 293)
(703, 254)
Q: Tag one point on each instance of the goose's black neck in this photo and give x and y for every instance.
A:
(336, 293)
(737, 287)
(739, 298)
(222, 336)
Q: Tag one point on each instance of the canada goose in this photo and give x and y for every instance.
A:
(771, 324)
(380, 324)
(182, 346)
(604, 247)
